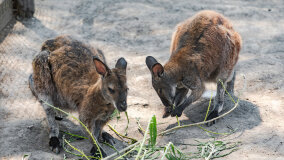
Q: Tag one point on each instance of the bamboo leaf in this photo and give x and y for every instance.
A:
(153, 131)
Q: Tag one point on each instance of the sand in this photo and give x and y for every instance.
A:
(134, 30)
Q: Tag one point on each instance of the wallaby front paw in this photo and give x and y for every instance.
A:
(94, 151)
(106, 137)
(166, 114)
(176, 112)
(212, 115)
(58, 118)
(54, 145)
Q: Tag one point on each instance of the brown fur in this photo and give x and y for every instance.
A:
(204, 48)
(206, 40)
(66, 75)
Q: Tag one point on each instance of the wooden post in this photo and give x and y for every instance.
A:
(24, 8)
(6, 12)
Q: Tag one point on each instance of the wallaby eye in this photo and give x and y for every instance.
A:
(111, 90)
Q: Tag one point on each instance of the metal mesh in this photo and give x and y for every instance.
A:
(134, 29)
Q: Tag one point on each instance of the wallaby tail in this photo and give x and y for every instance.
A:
(238, 42)
(31, 85)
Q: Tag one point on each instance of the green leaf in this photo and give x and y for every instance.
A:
(173, 149)
(25, 155)
(153, 131)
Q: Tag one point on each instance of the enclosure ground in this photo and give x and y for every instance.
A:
(134, 30)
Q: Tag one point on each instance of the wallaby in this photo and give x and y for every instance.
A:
(204, 48)
(72, 75)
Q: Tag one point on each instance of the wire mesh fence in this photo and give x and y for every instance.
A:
(130, 29)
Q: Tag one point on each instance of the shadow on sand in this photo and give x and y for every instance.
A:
(246, 116)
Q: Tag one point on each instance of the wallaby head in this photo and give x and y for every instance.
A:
(114, 87)
(162, 83)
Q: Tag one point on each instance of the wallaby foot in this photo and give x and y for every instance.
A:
(177, 112)
(212, 115)
(94, 151)
(218, 103)
(58, 118)
(54, 145)
(106, 137)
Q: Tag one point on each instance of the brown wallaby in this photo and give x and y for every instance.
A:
(72, 75)
(204, 48)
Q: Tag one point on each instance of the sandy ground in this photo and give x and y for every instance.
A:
(134, 30)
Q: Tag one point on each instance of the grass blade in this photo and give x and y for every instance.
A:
(143, 141)
(166, 150)
(83, 154)
(153, 131)
(126, 114)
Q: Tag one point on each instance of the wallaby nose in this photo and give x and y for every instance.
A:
(123, 106)
(123, 103)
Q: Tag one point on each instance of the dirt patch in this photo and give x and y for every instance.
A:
(134, 30)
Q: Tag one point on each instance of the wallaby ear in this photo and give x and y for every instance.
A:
(156, 68)
(150, 61)
(121, 63)
(101, 68)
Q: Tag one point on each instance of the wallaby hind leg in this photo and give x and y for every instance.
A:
(42, 87)
(31, 85)
(231, 84)
(218, 103)
(53, 125)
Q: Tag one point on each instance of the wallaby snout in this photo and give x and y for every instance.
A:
(122, 106)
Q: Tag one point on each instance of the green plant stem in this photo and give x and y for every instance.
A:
(83, 154)
(166, 151)
(74, 135)
(126, 153)
(212, 131)
(111, 146)
(91, 135)
(143, 141)
(227, 91)
(126, 114)
(178, 127)
(199, 123)
(176, 116)
(78, 155)
(139, 125)
(208, 107)
(178, 121)
(118, 134)
(175, 128)
(145, 151)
